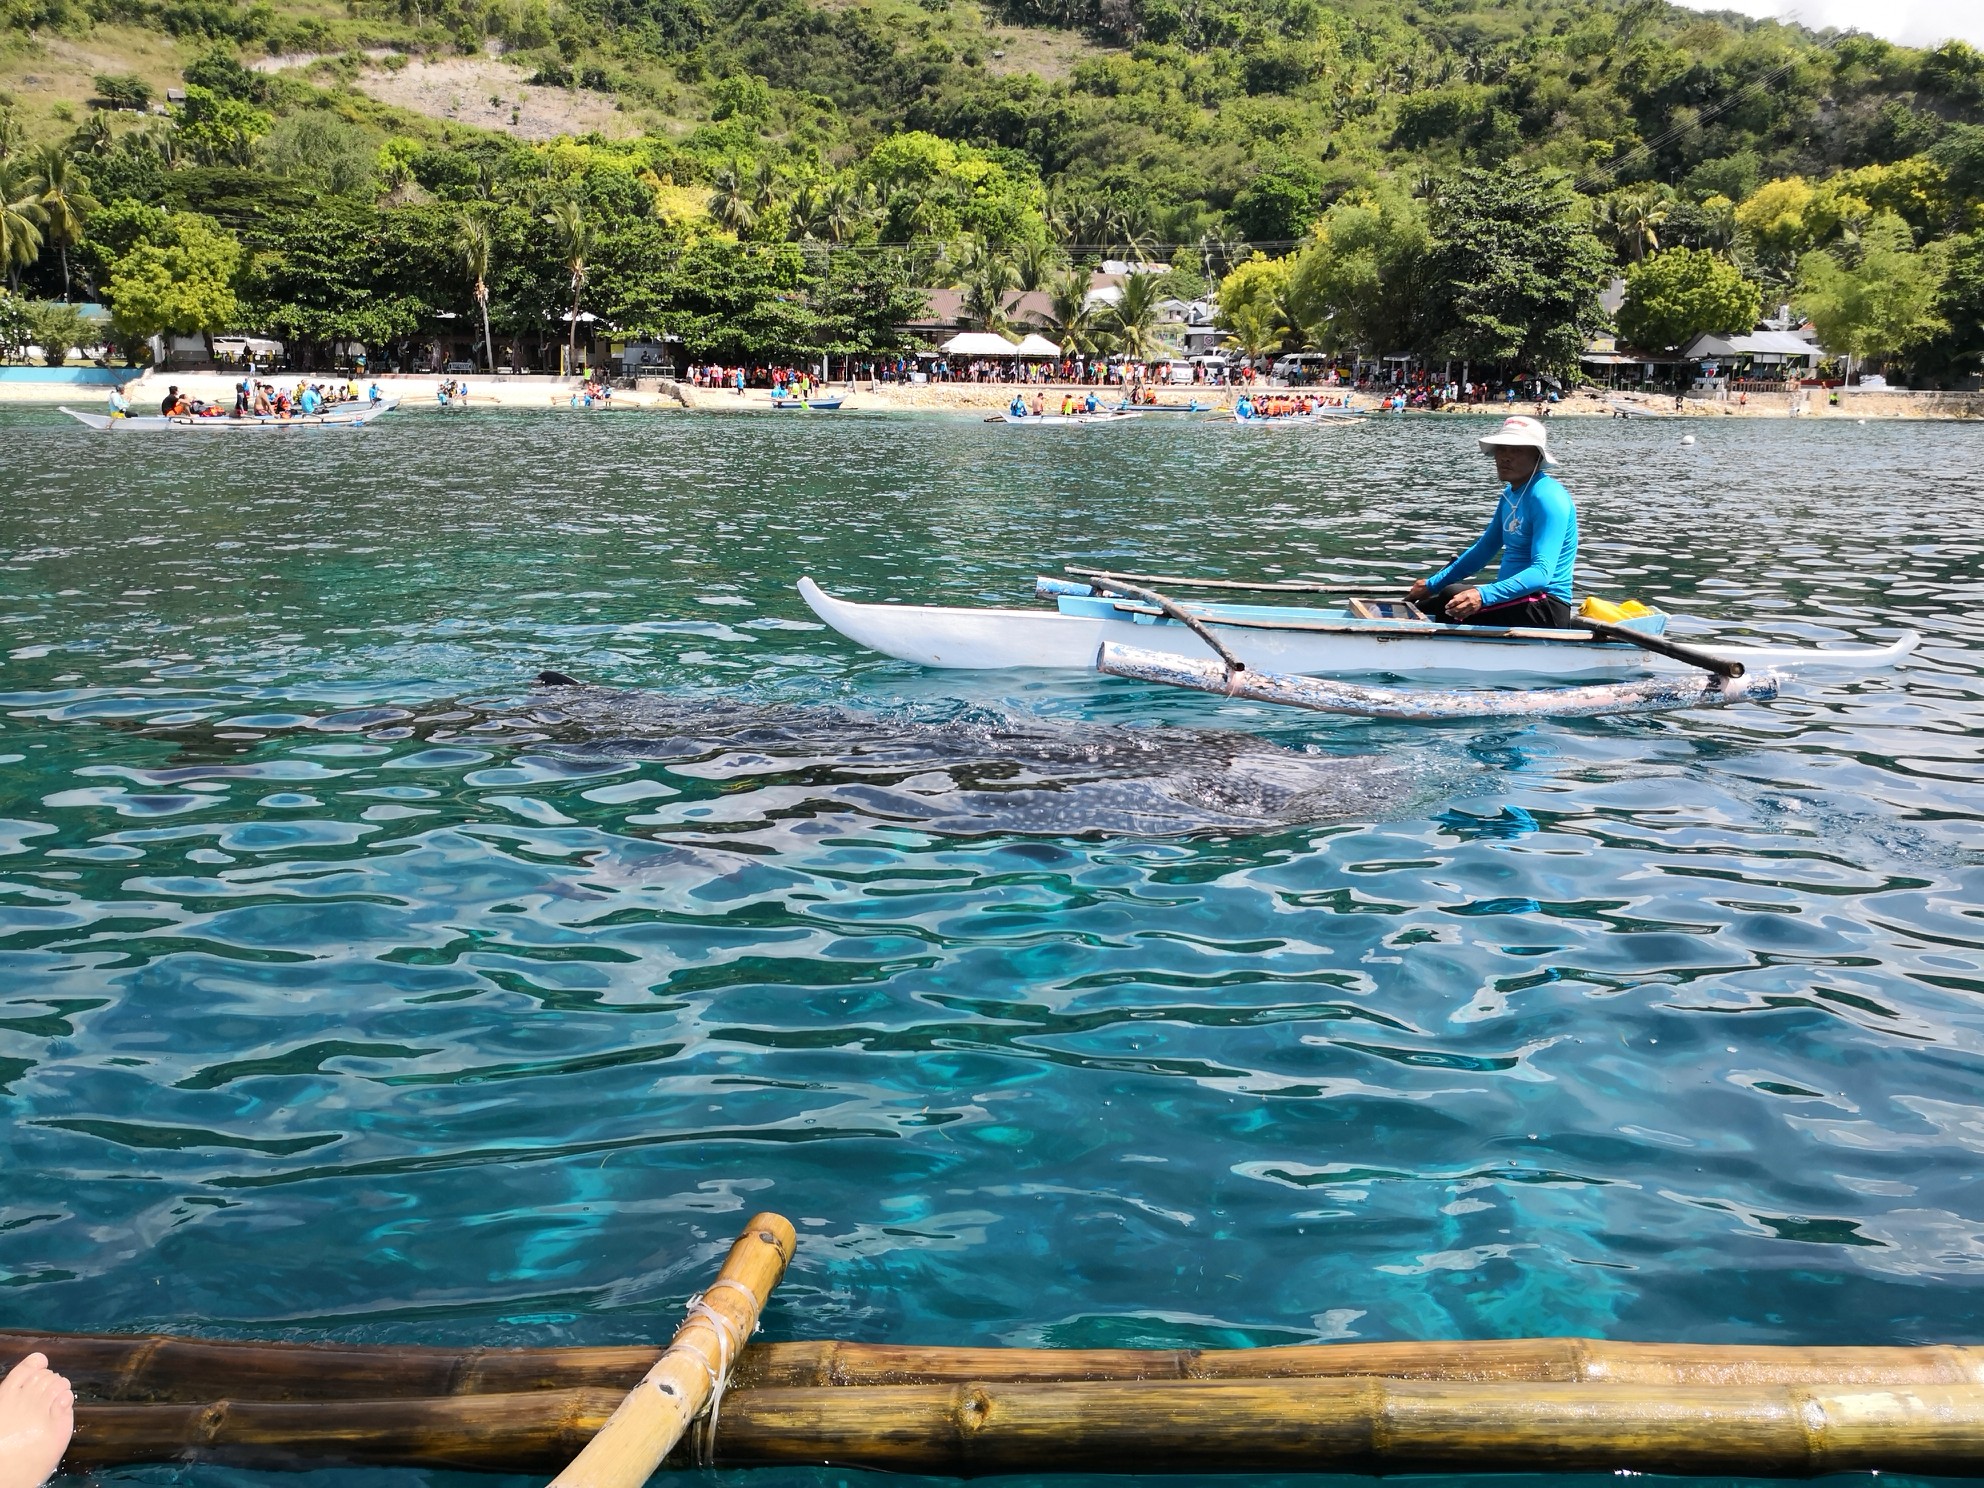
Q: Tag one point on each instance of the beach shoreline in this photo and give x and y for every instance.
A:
(556, 394)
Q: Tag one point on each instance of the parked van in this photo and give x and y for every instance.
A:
(1303, 366)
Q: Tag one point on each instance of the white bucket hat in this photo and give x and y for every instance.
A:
(1522, 432)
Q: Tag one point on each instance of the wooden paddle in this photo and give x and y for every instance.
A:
(1660, 646)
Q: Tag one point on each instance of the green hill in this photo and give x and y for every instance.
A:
(760, 176)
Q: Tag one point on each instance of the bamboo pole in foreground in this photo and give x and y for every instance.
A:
(1205, 1426)
(111, 1367)
(693, 1370)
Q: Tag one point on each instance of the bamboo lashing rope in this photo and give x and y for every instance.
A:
(686, 1381)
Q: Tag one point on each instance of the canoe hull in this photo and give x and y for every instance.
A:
(1002, 639)
(337, 418)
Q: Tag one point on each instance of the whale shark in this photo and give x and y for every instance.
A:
(962, 770)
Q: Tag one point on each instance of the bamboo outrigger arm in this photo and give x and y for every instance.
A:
(693, 1371)
(119, 1369)
(1427, 705)
(1206, 1426)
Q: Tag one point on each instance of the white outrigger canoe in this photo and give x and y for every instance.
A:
(1286, 640)
(1333, 415)
(1065, 420)
(344, 416)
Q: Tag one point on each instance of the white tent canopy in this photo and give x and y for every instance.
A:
(1036, 345)
(979, 344)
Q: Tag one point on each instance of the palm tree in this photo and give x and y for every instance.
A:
(96, 135)
(1132, 320)
(1631, 219)
(573, 235)
(1253, 330)
(66, 204)
(21, 219)
(473, 244)
(988, 280)
(844, 211)
(730, 200)
(764, 187)
(1221, 253)
(1070, 318)
(1035, 264)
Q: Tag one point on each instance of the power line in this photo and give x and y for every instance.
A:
(1607, 172)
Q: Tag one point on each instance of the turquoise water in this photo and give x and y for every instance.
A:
(350, 989)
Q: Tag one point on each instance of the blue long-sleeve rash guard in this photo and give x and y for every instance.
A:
(1535, 529)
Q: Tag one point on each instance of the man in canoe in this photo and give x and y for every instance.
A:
(1535, 529)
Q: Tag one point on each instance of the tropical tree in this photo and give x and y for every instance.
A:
(58, 326)
(732, 201)
(988, 280)
(178, 280)
(1874, 297)
(571, 232)
(473, 244)
(845, 211)
(1254, 330)
(1630, 219)
(1132, 320)
(1362, 283)
(1035, 262)
(1070, 319)
(21, 219)
(1516, 273)
(1675, 296)
(66, 204)
(16, 325)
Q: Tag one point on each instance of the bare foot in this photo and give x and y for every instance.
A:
(37, 1415)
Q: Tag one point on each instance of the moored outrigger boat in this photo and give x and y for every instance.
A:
(807, 405)
(1329, 415)
(345, 416)
(1066, 420)
(1297, 640)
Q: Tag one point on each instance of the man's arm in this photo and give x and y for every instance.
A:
(1551, 515)
(1475, 558)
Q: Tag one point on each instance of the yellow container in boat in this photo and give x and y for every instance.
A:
(1607, 612)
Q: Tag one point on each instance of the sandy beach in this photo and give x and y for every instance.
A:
(552, 394)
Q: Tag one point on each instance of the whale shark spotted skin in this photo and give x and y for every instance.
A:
(972, 771)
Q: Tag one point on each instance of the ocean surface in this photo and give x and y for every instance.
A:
(352, 988)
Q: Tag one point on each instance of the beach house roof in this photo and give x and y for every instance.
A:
(1771, 344)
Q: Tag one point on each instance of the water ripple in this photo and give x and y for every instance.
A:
(350, 986)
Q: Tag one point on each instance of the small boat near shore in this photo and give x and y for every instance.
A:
(1287, 639)
(1334, 416)
(1069, 420)
(808, 405)
(347, 416)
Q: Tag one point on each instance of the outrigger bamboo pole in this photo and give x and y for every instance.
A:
(535, 1432)
(106, 1367)
(1309, 1425)
(693, 1370)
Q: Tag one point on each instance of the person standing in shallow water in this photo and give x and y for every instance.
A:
(37, 1418)
(1535, 529)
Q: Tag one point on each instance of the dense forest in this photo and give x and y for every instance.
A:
(763, 178)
